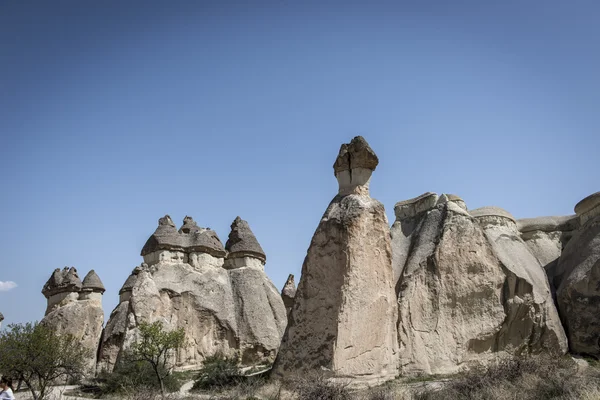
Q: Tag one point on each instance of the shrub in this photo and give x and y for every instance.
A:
(218, 372)
(317, 387)
(531, 378)
(131, 376)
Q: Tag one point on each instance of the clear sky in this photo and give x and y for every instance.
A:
(114, 113)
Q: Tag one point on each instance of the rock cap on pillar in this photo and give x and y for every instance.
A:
(92, 283)
(66, 280)
(130, 282)
(354, 165)
(165, 237)
(242, 242)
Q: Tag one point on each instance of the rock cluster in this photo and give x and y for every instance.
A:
(467, 286)
(343, 319)
(444, 289)
(221, 296)
(75, 307)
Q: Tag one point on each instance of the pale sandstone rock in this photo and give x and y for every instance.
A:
(344, 313)
(75, 308)
(546, 238)
(578, 280)
(288, 293)
(225, 305)
(408, 214)
(459, 305)
(534, 322)
(259, 309)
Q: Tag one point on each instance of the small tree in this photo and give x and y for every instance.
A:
(38, 355)
(154, 347)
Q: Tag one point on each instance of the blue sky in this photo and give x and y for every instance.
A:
(114, 113)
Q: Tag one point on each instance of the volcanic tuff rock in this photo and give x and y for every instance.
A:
(546, 238)
(225, 304)
(288, 293)
(460, 297)
(76, 308)
(578, 280)
(343, 318)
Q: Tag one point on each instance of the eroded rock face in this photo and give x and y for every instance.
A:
(288, 293)
(75, 308)
(578, 280)
(534, 325)
(546, 238)
(259, 309)
(343, 318)
(461, 298)
(225, 304)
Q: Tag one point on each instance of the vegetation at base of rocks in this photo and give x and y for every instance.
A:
(531, 378)
(317, 387)
(218, 372)
(131, 375)
(39, 356)
(154, 347)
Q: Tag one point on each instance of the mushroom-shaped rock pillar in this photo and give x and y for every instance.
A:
(343, 321)
(62, 287)
(260, 311)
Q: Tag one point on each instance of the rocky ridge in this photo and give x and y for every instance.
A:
(444, 289)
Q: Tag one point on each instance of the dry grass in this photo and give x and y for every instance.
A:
(531, 378)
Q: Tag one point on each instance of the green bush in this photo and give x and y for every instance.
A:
(218, 372)
(130, 375)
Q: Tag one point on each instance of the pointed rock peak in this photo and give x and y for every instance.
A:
(93, 283)
(165, 226)
(189, 225)
(72, 278)
(166, 221)
(356, 154)
(289, 289)
(242, 242)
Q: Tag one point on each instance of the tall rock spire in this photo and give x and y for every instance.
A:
(344, 317)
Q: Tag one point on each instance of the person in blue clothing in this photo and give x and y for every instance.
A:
(6, 392)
